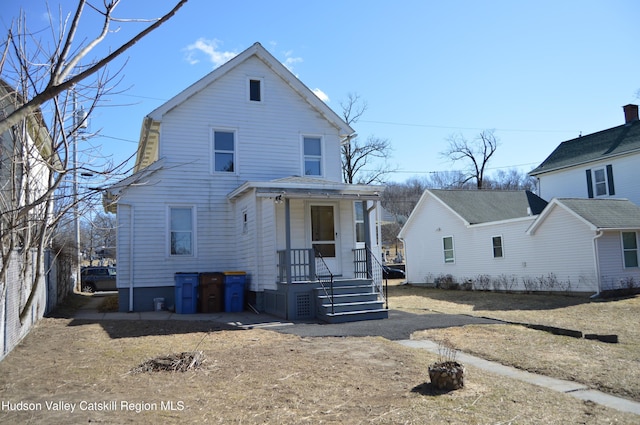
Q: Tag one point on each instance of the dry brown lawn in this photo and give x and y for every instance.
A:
(260, 377)
(612, 368)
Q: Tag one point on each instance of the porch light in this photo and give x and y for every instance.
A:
(278, 199)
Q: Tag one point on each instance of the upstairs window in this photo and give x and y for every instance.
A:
(447, 244)
(223, 151)
(255, 90)
(600, 182)
(312, 156)
(630, 249)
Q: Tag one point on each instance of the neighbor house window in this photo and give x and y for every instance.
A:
(224, 151)
(448, 249)
(359, 206)
(497, 246)
(255, 90)
(181, 230)
(312, 156)
(630, 249)
(600, 182)
(245, 221)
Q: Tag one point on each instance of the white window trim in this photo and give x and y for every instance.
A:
(595, 183)
(212, 150)
(194, 233)
(322, 153)
(624, 264)
(357, 243)
(501, 247)
(248, 97)
(453, 249)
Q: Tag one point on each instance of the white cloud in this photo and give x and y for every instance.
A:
(322, 95)
(290, 60)
(208, 48)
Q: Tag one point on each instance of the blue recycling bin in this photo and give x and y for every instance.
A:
(234, 283)
(186, 293)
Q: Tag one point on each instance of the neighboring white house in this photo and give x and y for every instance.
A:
(599, 165)
(242, 171)
(514, 240)
(26, 163)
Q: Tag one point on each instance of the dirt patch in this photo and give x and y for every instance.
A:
(254, 377)
(612, 368)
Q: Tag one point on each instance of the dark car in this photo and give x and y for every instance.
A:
(100, 278)
(389, 273)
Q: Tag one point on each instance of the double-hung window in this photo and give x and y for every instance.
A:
(600, 182)
(447, 244)
(312, 156)
(224, 151)
(181, 231)
(630, 249)
(497, 246)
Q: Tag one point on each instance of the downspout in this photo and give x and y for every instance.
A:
(131, 263)
(596, 257)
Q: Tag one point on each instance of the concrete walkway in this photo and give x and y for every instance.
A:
(397, 328)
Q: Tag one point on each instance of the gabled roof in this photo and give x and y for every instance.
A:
(598, 214)
(148, 145)
(604, 144)
(483, 206)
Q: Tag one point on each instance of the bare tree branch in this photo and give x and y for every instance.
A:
(56, 87)
(477, 153)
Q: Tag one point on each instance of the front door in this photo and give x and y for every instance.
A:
(324, 236)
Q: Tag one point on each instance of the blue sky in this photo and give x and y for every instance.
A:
(538, 72)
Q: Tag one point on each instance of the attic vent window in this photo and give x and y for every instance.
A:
(255, 90)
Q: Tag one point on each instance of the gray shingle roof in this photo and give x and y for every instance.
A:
(606, 213)
(603, 144)
(483, 206)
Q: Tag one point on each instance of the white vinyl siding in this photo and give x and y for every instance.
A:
(267, 147)
(561, 238)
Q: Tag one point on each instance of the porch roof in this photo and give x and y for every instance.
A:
(308, 188)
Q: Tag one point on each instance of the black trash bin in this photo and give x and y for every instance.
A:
(211, 292)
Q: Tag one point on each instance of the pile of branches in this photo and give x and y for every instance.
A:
(180, 362)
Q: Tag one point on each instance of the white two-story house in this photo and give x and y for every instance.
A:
(242, 172)
(599, 165)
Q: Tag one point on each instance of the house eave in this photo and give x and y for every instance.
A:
(324, 190)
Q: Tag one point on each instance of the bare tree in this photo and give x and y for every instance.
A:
(43, 73)
(511, 179)
(357, 156)
(476, 153)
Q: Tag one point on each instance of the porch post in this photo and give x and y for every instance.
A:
(287, 227)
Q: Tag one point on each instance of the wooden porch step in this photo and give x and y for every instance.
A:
(352, 306)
